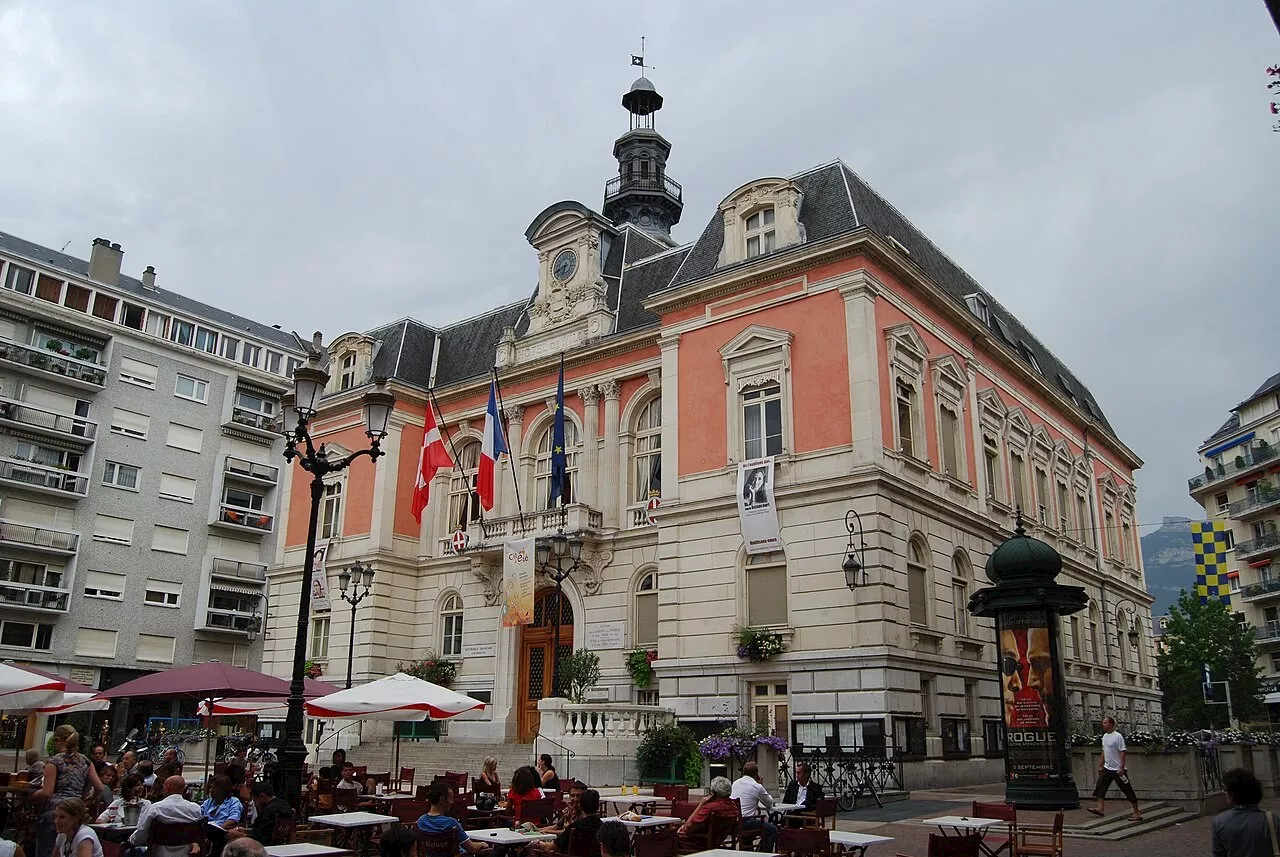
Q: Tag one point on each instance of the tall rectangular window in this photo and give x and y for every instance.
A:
(250, 354)
(331, 511)
(1075, 639)
(1042, 495)
(766, 590)
(1084, 521)
(949, 422)
(917, 584)
(1018, 476)
(230, 347)
(206, 340)
(1064, 506)
(273, 362)
(906, 408)
(960, 605)
(760, 231)
(347, 376)
(319, 648)
(182, 332)
(991, 460)
(762, 421)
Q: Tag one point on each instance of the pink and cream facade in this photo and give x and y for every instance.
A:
(811, 322)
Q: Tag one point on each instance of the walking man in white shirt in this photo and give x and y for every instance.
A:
(1111, 767)
(756, 803)
(174, 808)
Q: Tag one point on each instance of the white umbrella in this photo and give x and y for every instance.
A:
(22, 691)
(397, 697)
(73, 702)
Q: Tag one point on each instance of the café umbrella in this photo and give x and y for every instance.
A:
(398, 697)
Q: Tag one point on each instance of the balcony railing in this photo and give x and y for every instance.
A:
(36, 538)
(230, 620)
(1268, 633)
(494, 532)
(252, 470)
(40, 477)
(248, 519)
(28, 596)
(1249, 459)
(257, 420)
(81, 373)
(223, 567)
(43, 419)
(1264, 499)
(656, 184)
(1263, 589)
(1260, 545)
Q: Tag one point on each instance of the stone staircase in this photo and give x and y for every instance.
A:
(1116, 825)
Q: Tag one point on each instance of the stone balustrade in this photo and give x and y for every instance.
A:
(603, 736)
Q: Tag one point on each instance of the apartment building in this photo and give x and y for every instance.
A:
(1240, 484)
(140, 459)
(811, 324)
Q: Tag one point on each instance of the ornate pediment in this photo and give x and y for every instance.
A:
(571, 240)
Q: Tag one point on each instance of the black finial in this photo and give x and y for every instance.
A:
(1018, 528)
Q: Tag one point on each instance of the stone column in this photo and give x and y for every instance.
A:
(584, 491)
(862, 341)
(505, 502)
(670, 345)
(610, 460)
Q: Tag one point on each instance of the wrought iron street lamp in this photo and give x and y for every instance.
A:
(855, 564)
(1134, 635)
(362, 574)
(299, 409)
(558, 547)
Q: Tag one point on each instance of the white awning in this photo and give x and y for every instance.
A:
(1271, 698)
(236, 588)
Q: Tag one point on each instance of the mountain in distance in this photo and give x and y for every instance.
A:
(1169, 562)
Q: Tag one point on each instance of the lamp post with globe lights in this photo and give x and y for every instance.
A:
(299, 410)
(361, 574)
(557, 547)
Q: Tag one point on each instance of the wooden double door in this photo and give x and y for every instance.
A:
(537, 665)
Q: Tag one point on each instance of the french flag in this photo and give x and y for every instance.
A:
(493, 445)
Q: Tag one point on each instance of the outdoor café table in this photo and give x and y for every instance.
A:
(504, 836)
(855, 842)
(729, 852)
(780, 809)
(645, 821)
(306, 849)
(962, 824)
(647, 803)
(113, 832)
(354, 828)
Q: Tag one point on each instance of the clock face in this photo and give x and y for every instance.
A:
(566, 262)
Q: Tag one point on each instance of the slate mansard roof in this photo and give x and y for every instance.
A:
(160, 296)
(835, 201)
(1232, 425)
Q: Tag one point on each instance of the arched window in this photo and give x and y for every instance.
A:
(451, 626)
(464, 500)
(646, 594)
(918, 581)
(648, 452)
(542, 466)
(331, 511)
(760, 233)
(960, 570)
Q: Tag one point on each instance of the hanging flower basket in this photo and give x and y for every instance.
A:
(640, 665)
(757, 645)
(311, 669)
(738, 744)
(431, 668)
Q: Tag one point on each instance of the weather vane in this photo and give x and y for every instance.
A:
(639, 60)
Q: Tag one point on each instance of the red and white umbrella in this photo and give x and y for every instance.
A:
(23, 691)
(396, 697)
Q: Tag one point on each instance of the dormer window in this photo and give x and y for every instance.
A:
(347, 377)
(760, 233)
(978, 306)
(1028, 355)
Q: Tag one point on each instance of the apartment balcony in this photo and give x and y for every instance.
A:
(231, 621)
(251, 472)
(254, 422)
(231, 569)
(1264, 500)
(493, 533)
(241, 520)
(52, 366)
(42, 421)
(1268, 544)
(1250, 460)
(1260, 591)
(29, 537)
(42, 479)
(1267, 635)
(28, 596)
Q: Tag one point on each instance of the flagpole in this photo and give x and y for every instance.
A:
(511, 458)
(457, 459)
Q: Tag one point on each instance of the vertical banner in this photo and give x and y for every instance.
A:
(517, 583)
(756, 511)
(1030, 688)
(1210, 546)
(320, 578)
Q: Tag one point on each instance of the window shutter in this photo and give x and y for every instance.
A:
(185, 437)
(111, 529)
(767, 595)
(95, 643)
(104, 584)
(153, 647)
(646, 619)
(169, 540)
(130, 422)
(177, 487)
(137, 372)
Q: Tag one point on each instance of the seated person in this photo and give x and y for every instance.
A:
(171, 759)
(524, 786)
(615, 839)
(35, 767)
(322, 788)
(173, 809)
(438, 821)
(269, 810)
(717, 803)
(755, 802)
(339, 759)
(222, 808)
(588, 822)
(147, 771)
(547, 776)
(349, 780)
(803, 790)
(132, 794)
(572, 809)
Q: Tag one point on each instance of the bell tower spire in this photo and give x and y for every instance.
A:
(642, 194)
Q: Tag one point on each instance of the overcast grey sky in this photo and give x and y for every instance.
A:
(1103, 168)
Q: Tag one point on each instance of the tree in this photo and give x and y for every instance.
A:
(1200, 634)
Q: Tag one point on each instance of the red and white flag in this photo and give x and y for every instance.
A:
(431, 458)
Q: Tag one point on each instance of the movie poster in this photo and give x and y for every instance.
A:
(517, 583)
(756, 511)
(1034, 714)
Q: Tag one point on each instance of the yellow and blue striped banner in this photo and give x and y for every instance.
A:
(1209, 542)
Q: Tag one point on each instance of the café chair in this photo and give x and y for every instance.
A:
(1041, 841)
(659, 842)
(165, 835)
(405, 781)
(993, 840)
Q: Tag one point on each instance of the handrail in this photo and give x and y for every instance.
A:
(569, 754)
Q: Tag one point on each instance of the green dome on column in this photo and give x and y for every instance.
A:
(1021, 556)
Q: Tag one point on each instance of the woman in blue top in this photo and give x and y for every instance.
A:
(438, 821)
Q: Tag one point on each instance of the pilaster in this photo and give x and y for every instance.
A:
(865, 394)
(505, 492)
(975, 437)
(385, 469)
(608, 489)
(585, 490)
(670, 345)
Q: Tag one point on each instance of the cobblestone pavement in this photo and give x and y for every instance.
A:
(911, 837)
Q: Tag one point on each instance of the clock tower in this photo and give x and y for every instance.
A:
(642, 194)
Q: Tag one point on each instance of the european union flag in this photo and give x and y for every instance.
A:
(559, 461)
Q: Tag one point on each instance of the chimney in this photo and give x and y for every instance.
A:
(149, 278)
(104, 262)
